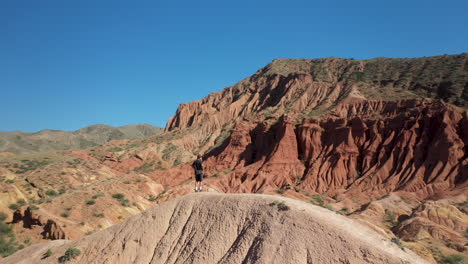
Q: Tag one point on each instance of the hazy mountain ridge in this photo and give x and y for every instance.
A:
(47, 139)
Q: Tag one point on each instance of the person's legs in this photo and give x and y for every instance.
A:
(198, 180)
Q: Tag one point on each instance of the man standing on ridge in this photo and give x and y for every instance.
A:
(198, 167)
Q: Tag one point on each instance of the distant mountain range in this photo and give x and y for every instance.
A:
(46, 140)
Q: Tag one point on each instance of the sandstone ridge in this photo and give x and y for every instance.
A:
(221, 228)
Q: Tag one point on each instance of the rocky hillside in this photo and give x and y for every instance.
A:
(66, 194)
(381, 141)
(343, 133)
(338, 126)
(220, 228)
(312, 87)
(46, 140)
(369, 148)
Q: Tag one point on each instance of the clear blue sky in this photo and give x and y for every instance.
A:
(69, 64)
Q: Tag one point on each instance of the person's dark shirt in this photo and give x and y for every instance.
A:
(197, 165)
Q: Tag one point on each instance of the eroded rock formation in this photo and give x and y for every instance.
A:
(435, 219)
(29, 218)
(221, 228)
(416, 146)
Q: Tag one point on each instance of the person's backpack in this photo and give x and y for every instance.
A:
(194, 166)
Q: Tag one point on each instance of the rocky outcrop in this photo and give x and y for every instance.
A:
(220, 228)
(384, 214)
(313, 86)
(29, 218)
(266, 156)
(338, 139)
(416, 146)
(254, 95)
(435, 220)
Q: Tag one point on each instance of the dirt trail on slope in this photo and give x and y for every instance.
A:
(228, 228)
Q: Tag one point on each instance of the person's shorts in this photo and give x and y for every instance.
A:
(199, 177)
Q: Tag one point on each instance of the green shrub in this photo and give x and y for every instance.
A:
(121, 198)
(383, 197)
(132, 145)
(21, 202)
(90, 202)
(8, 243)
(343, 211)
(115, 149)
(145, 168)
(99, 215)
(9, 181)
(73, 163)
(62, 190)
(176, 163)
(40, 201)
(47, 254)
(167, 152)
(275, 202)
(390, 218)
(282, 206)
(118, 196)
(30, 165)
(357, 76)
(70, 254)
(152, 198)
(125, 202)
(51, 192)
(3, 216)
(280, 191)
(452, 259)
(13, 206)
(269, 111)
(5, 230)
(397, 241)
(65, 214)
(97, 195)
(227, 171)
(317, 199)
(33, 207)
